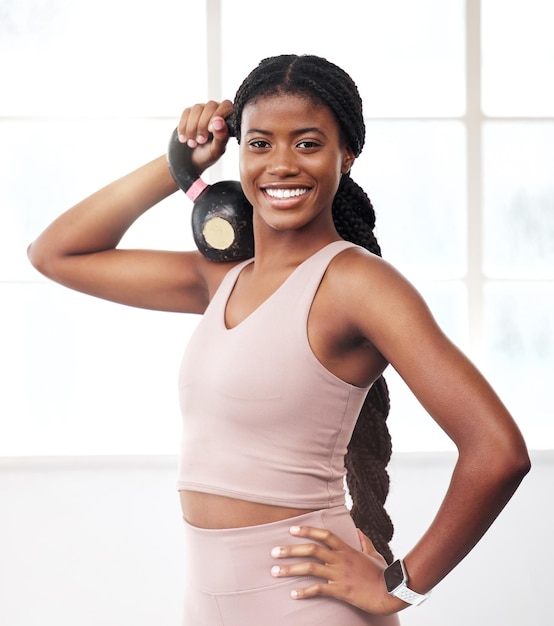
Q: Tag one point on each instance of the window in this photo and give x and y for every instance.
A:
(458, 162)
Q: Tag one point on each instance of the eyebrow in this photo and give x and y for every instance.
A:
(299, 131)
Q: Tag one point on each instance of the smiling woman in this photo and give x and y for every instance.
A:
(291, 161)
(281, 385)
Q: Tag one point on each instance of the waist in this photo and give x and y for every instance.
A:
(211, 511)
(227, 560)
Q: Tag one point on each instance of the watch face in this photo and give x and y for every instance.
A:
(394, 576)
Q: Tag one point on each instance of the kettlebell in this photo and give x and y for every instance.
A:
(221, 215)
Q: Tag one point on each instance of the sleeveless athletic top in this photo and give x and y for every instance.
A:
(263, 419)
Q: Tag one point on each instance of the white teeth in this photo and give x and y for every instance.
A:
(285, 193)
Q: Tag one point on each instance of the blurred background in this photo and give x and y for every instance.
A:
(459, 164)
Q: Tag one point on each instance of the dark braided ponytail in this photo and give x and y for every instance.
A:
(369, 450)
(370, 447)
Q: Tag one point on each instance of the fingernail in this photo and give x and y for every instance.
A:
(191, 143)
(182, 138)
(200, 139)
(294, 530)
(294, 594)
(275, 570)
(218, 124)
(276, 552)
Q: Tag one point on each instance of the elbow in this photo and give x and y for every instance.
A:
(37, 258)
(513, 463)
(519, 455)
(502, 461)
(42, 258)
(43, 261)
(523, 466)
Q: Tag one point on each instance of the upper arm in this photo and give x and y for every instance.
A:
(151, 279)
(79, 249)
(388, 311)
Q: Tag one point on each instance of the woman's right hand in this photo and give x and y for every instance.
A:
(203, 128)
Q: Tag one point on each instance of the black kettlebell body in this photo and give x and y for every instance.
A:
(221, 215)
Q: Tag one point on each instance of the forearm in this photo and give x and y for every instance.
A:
(99, 222)
(480, 487)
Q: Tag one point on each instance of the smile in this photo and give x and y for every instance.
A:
(285, 193)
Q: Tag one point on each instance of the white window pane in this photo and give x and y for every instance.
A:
(85, 376)
(519, 199)
(48, 166)
(414, 173)
(406, 57)
(102, 58)
(519, 348)
(518, 55)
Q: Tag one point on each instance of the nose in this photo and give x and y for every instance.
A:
(282, 162)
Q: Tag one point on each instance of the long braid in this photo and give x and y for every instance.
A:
(369, 450)
(370, 447)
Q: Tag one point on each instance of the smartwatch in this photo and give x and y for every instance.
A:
(396, 580)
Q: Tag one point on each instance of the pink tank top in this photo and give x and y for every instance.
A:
(263, 419)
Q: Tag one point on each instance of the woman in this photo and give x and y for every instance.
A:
(276, 374)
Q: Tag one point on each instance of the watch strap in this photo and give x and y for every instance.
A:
(411, 597)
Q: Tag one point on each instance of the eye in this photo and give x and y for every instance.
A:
(308, 144)
(259, 144)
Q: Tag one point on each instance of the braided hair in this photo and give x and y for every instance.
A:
(370, 448)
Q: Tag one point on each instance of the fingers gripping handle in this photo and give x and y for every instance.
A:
(179, 158)
(221, 214)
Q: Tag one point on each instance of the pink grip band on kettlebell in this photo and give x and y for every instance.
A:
(196, 189)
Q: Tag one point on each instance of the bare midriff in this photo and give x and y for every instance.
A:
(206, 510)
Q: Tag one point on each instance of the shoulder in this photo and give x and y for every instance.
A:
(377, 299)
(356, 270)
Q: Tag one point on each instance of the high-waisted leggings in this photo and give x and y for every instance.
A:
(229, 581)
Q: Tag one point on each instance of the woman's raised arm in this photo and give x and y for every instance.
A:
(79, 249)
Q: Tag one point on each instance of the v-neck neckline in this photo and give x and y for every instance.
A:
(270, 297)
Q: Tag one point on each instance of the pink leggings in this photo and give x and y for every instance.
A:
(229, 581)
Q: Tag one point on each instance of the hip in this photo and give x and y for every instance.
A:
(229, 581)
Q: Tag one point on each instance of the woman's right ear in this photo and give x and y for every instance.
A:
(347, 161)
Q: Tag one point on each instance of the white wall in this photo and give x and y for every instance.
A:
(97, 541)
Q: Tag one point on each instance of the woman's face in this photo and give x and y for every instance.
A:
(291, 161)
